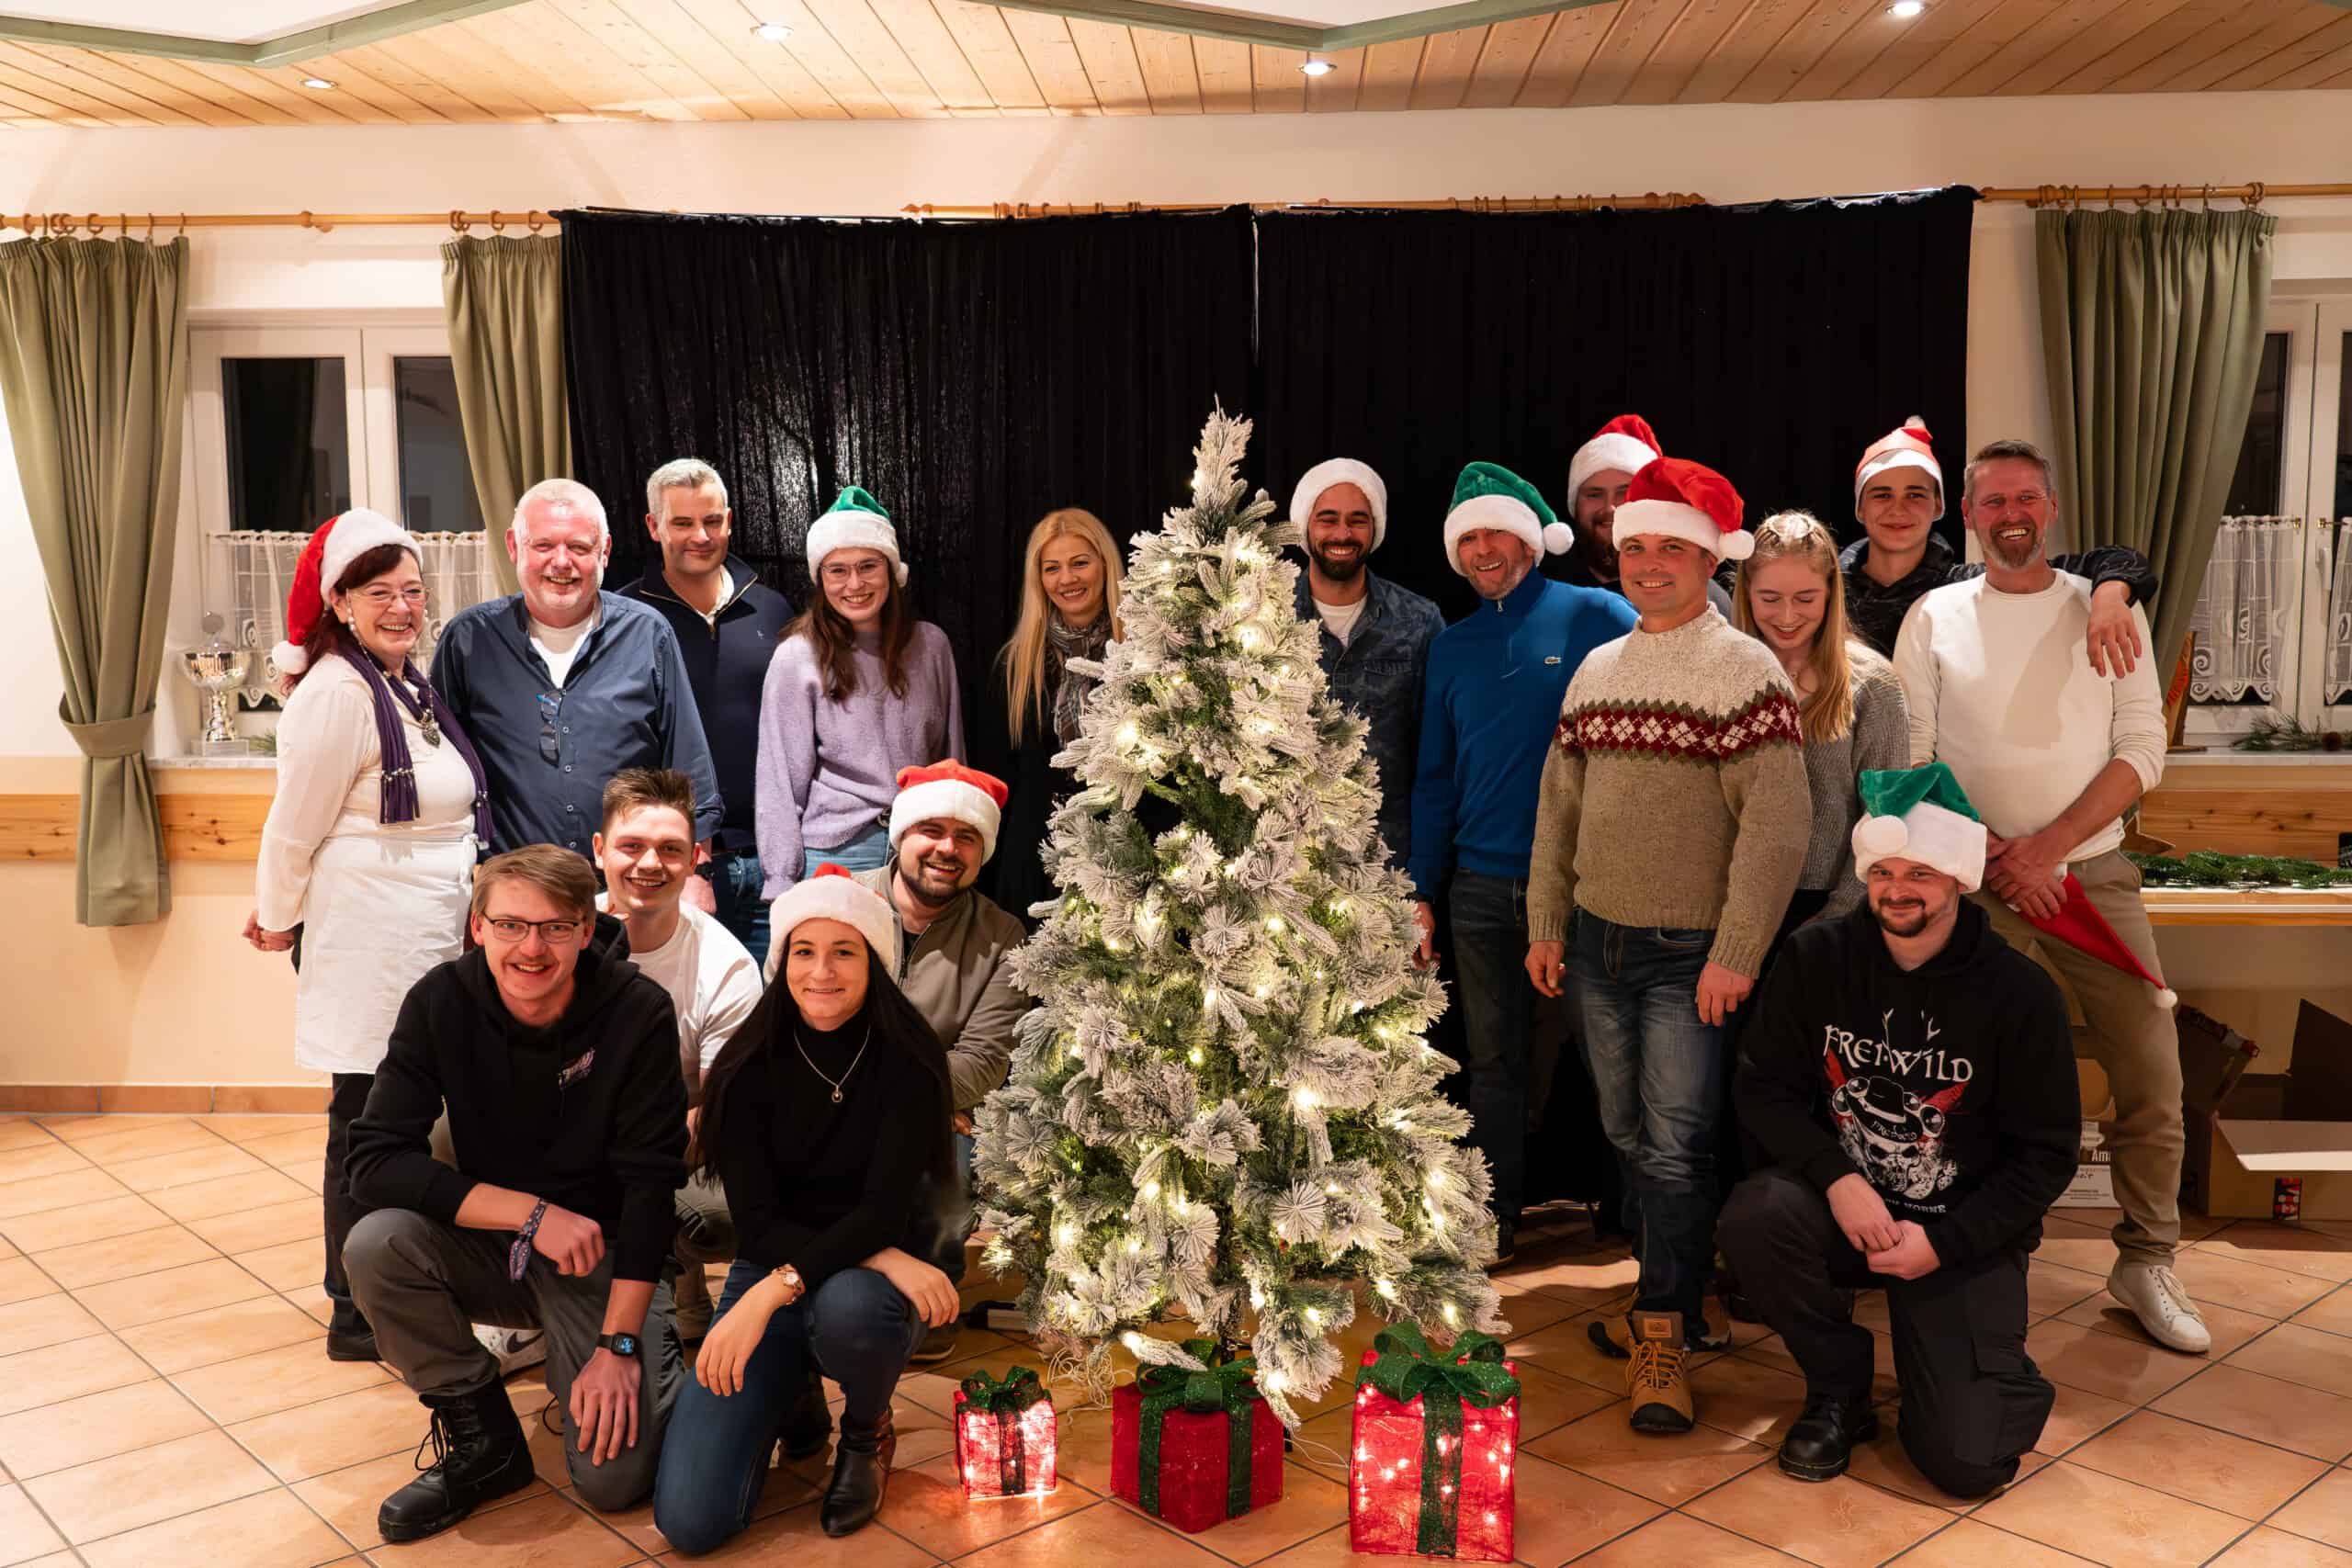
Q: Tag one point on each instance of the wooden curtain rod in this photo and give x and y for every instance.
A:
(150, 224)
(2252, 194)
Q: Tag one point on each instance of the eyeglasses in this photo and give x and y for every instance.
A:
(382, 597)
(838, 573)
(550, 740)
(556, 931)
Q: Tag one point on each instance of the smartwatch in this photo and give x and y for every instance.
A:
(620, 1344)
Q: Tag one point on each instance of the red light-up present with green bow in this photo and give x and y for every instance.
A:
(1005, 1437)
(1196, 1446)
(1434, 1446)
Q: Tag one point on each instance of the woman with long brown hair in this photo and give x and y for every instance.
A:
(858, 689)
(1070, 609)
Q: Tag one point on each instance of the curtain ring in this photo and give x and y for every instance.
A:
(2254, 195)
(535, 217)
(181, 233)
(2206, 197)
(497, 224)
(457, 220)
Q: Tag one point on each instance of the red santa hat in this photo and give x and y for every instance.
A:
(1908, 446)
(833, 894)
(338, 542)
(2080, 926)
(951, 790)
(1626, 444)
(1687, 501)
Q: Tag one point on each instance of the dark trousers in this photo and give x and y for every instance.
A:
(1973, 1400)
(345, 1101)
(1502, 1015)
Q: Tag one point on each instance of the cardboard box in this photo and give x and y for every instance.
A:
(2267, 1126)
(2094, 1183)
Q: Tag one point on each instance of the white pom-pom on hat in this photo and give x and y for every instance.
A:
(1557, 537)
(1880, 836)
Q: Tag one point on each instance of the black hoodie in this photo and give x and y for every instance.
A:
(609, 1145)
(1949, 1087)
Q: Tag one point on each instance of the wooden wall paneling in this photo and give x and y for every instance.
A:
(2307, 64)
(1860, 48)
(2156, 36)
(22, 110)
(1109, 56)
(1386, 84)
(1742, 49)
(1624, 49)
(926, 40)
(89, 65)
(37, 73)
(865, 39)
(1990, 42)
(1335, 91)
(423, 86)
(213, 826)
(1447, 60)
(1503, 65)
(355, 83)
(1053, 60)
(41, 826)
(1919, 41)
(549, 44)
(2245, 20)
(1223, 67)
(348, 106)
(1676, 57)
(288, 96)
(772, 65)
(2285, 812)
(54, 101)
(2263, 45)
(1568, 48)
(2106, 26)
(988, 44)
(1168, 75)
(505, 90)
(1822, 28)
(651, 56)
(718, 63)
(189, 80)
(826, 58)
(1277, 85)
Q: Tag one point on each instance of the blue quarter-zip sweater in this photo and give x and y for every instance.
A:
(1492, 699)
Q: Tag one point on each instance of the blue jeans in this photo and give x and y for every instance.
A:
(1499, 1022)
(715, 1455)
(868, 850)
(736, 883)
(1658, 1073)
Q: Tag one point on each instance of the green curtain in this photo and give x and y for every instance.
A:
(94, 377)
(506, 306)
(2151, 324)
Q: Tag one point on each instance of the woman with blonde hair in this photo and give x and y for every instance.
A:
(1070, 609)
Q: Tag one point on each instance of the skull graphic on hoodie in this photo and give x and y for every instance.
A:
(1895, 1138)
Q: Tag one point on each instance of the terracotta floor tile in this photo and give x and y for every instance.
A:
(2110, 1521)
(2268, 1547)
(145, 1142)
(2230, 1282)
(313, 1299)
(254, 1190)
(2052, 1288)
(1598, 1272)
(1666, 1469)
(2306, 1356)
(926, 1505)
(1969, 1544)
(33, 1378)
(287, 1266)
(76, 1129)
(543, 1532)
(2231, 1327)
(1839, 1524)
(51, 1158)
(222, 1333)
(302, 1145)
(187, 1168)
(272, 1224)
(2308, 1420)
(42, 1194)
(2131, 1370)
(173, 1293)
(1677, 1540)
(83, 1222)
(2332, 1311)
(311, 1439)
(1563, 1513)
(1546, 1402)
(1748, 1398)
(2290, 1247)
(348, 1498)
(97, 1425)
(23, 1133)
(787, 1488)
(122, 1257)
(24, 1534)
(792, 1540)
(2218, 1469)
(249, 1128)
(110, 1496)
(269, 1530)
(1308, 1506)
(2322, 1513)
(1566, 1349)
(44, 1320)
(1884, 1465)
(21, 1279)
(273, 1381)
(1532, 1310)
(1102, 1534)
(1771, 1352)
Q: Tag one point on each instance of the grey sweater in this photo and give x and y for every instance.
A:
(1880, 739)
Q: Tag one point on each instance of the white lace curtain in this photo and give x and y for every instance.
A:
(258, 570)
(2245, 611)
(2339, 680)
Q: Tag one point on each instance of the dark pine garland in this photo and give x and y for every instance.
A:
(2206, 868)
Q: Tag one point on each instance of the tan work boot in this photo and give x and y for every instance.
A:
(1613, 1338)
(1653, 1381)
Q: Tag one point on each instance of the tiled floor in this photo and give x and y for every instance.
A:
(165, 1400)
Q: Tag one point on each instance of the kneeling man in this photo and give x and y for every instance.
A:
(1910, 1078)
(560, 1070)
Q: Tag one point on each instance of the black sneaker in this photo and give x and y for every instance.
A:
(1822, 1443)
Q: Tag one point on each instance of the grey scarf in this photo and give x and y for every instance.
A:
(1064, 645)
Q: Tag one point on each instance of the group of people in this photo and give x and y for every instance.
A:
(731, 981)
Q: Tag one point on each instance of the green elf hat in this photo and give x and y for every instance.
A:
(1488, 495)
(856, 521)
(1919, 813)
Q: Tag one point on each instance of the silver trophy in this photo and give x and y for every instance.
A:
(217, 669)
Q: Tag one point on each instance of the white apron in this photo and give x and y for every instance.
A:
(382, 910)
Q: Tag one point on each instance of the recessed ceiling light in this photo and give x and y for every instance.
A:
(318, 83)
(773, 32)
(1319, 68)
(1903, 10)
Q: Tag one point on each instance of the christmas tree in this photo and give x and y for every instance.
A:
(1226, 1109)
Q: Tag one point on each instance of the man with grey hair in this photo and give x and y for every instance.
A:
(562, 685)
(728, 624)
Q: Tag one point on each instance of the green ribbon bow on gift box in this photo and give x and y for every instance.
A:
(1471, 1372)
(1006, 1398)
(1224, 1381)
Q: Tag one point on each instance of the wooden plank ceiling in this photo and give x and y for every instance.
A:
(698, 60)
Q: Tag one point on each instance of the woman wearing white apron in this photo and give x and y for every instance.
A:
(366, 859)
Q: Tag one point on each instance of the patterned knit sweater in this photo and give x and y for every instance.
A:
(1674, 794)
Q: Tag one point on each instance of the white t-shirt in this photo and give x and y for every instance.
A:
(711, 979)
(1340, 620)
(560, 645)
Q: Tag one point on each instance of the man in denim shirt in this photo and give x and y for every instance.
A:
(1376, 635)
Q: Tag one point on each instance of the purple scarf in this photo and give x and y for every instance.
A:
(400, 801)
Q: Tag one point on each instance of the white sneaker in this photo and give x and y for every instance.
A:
(2154, 1294)
(514, 1348)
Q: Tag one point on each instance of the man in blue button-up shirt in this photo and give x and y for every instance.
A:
(1376, 635)
(563, 685)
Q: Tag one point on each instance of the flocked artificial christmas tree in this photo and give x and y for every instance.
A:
(1226, 1109)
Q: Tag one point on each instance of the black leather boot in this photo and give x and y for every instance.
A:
(1819, 1447)
(808, 1423)
(479, 1453)
(861, 1471)
(349, 1337)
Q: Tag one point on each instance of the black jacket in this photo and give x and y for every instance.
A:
(1876, 610)
(1949, 1087)
(610, 1144)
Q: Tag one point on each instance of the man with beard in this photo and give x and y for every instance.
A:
(1375, 635)
(1910, 1076)
(561, 686)
(1599, 476)
(2051, 752)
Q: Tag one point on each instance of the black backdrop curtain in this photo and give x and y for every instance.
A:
(972, 376)
(1772, 343)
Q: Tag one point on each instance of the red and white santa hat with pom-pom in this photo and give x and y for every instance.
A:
(949, 792)
(1626, 444)
(833, 894)
(1908, 446)
(338, 542)
(1687, 501)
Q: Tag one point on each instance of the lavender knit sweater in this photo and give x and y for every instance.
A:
(829, 770)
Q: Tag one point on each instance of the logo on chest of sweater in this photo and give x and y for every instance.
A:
(1893, 1135)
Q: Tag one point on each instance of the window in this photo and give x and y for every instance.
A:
(294, 424)
(2273, 625)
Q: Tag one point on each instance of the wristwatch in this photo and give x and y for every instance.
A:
(789, 1277)
(620, 1344)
